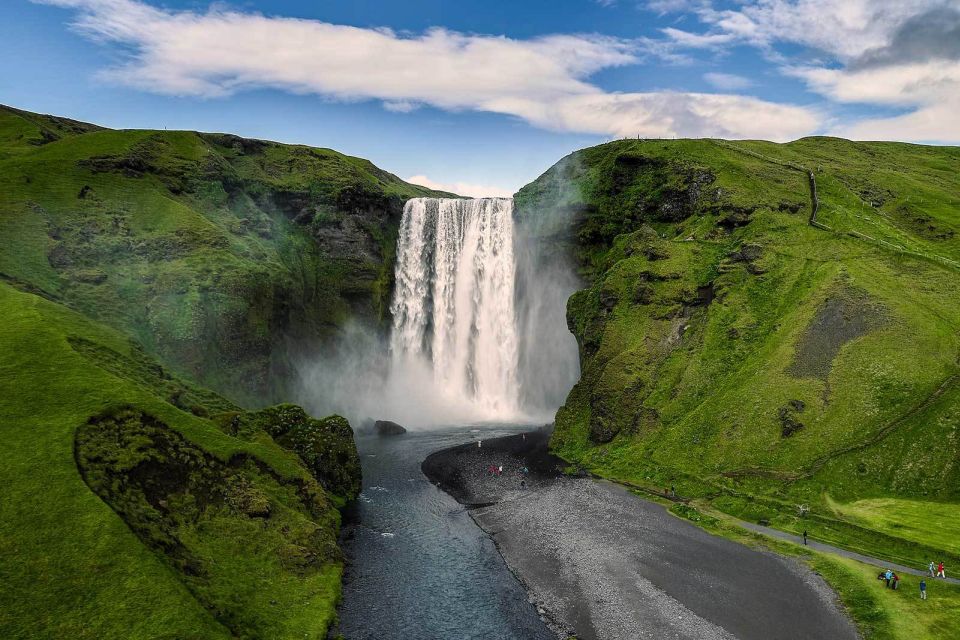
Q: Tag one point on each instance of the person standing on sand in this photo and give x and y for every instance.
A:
(923, 589)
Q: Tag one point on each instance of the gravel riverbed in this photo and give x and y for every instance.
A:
(601, 563)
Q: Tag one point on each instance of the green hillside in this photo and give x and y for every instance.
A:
(128, 513)
(215, 252)
(136, 269)
(756, 357)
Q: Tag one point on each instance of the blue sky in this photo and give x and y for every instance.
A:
(481, 97)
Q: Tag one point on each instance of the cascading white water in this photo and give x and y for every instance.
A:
(478, 333)
(453, 308)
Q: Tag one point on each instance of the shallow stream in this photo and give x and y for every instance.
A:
(418, 566)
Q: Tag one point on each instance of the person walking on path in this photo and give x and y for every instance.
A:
(804, 537)
(923, 589)
(932, 568)
(940, 571)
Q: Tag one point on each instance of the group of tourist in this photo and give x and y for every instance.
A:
(497, 471)
(893, 580)
(936, 571)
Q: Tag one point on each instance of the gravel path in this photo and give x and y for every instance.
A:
(819, 546)
(601, 563)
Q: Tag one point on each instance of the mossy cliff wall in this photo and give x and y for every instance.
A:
(221, 255)
(725, 339)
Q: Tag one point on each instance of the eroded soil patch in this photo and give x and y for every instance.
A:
(846, 315)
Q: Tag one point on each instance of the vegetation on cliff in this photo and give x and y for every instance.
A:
(215, 252)
(128, 512)
(757, 357)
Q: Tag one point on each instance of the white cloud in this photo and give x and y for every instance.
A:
(932, 88)
(462, 188)
(727, 81)
(934, 123)
(667, 114)
(901, 84)
(543, 81)
(879, 52)
(697, 40)
(675, 6)
(844, 29)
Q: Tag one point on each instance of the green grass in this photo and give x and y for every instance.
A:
(905, 614)
(931, 523)
(72, 566)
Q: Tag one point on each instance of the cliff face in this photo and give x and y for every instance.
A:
(727, 341)
(215, 252)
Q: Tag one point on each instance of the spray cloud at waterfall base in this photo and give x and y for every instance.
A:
(471, 340)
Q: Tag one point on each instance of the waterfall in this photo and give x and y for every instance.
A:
(478, 332)
(454, 316)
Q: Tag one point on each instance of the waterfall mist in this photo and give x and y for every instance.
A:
(478, 329)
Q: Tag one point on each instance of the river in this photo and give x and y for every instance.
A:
(419, 568)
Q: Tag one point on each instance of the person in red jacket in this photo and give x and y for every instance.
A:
(940, 572)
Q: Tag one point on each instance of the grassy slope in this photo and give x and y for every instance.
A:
(709, 332)
(73, 568)
(211, 250)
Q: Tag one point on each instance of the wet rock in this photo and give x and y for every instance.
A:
(388, 428)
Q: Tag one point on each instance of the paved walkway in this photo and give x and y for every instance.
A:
(819, 546)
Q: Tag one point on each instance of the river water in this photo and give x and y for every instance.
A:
(418, 567)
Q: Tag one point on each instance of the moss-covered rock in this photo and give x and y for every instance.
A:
(222, 526)
(326, 446)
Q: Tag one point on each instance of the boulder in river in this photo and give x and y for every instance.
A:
(388, 428)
